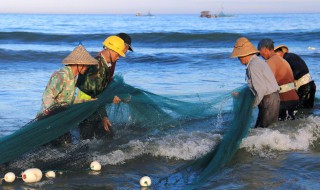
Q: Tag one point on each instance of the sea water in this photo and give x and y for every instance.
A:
(173, 55)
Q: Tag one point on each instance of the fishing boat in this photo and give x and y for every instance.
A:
(207, 14)
(140, 14)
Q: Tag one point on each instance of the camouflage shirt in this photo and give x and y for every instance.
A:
(60, 89)
(94, 81)
(96, 78)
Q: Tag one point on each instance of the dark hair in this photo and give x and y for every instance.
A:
(267, 43)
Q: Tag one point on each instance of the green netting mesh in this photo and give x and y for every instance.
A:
(225, 150)
(199, 170)
(142, 109)
(150, 112)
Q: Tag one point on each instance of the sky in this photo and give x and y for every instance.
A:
(158, 6)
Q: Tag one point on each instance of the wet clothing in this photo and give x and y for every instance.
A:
(93, 82)
(268, 110)
(264, 86)
(289, 98)
(307, 93)
(305, 86)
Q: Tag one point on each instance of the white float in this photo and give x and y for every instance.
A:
(9, 177)
(95, 166)
(50, 174)
(145, 181)
(31, 175)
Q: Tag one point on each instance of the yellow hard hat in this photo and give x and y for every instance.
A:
(116, 44)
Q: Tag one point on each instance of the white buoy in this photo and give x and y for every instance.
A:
(145, 181)
(9, 177)
(95, 166)
(31, 175)
(50, 174)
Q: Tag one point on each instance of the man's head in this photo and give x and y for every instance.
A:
(281, 50)
(114, 46)
(266, 48)
(243, 49)
(80, 58)
(127, 40)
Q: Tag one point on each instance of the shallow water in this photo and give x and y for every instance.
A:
(176, 56)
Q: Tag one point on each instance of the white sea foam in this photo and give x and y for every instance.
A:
(184, 145)
(264, 142)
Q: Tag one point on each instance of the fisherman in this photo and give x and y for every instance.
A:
(260, 80)
(61, 88)
(96, 79)
(305, 86)
(289, 98)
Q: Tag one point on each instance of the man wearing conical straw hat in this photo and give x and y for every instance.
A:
(305, 86)
(260, 80)
(96, 79)
(60, 90)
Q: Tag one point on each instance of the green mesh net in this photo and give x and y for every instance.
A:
(149, 112)
(215, 160)
(142, 109)
(195, 173)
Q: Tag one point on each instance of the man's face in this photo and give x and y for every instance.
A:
(82, 69)
(126, 49)
(114, 55)
(264, 53)
(242, 60)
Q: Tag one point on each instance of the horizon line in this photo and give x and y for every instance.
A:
(154, 14)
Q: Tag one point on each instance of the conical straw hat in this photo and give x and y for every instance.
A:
(79, 56)
(243, 47)
(284, 48)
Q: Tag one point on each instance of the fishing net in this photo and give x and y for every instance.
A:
(195, 173)
(225, 150)
(147, 112)
(140, 108)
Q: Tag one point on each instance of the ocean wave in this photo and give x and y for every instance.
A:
(35, 37)
(158, 39)
(266, 142)
(8, 56)
(184, 146)
(55, 53)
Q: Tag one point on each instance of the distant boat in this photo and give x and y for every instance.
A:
(148, 14)
(207, 14)
(221, 14)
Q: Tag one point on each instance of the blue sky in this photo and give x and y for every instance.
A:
(159, 6)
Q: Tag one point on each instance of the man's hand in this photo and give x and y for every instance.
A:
(106, 124)
(116, 100)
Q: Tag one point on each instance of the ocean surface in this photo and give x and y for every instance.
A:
(174, 56)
